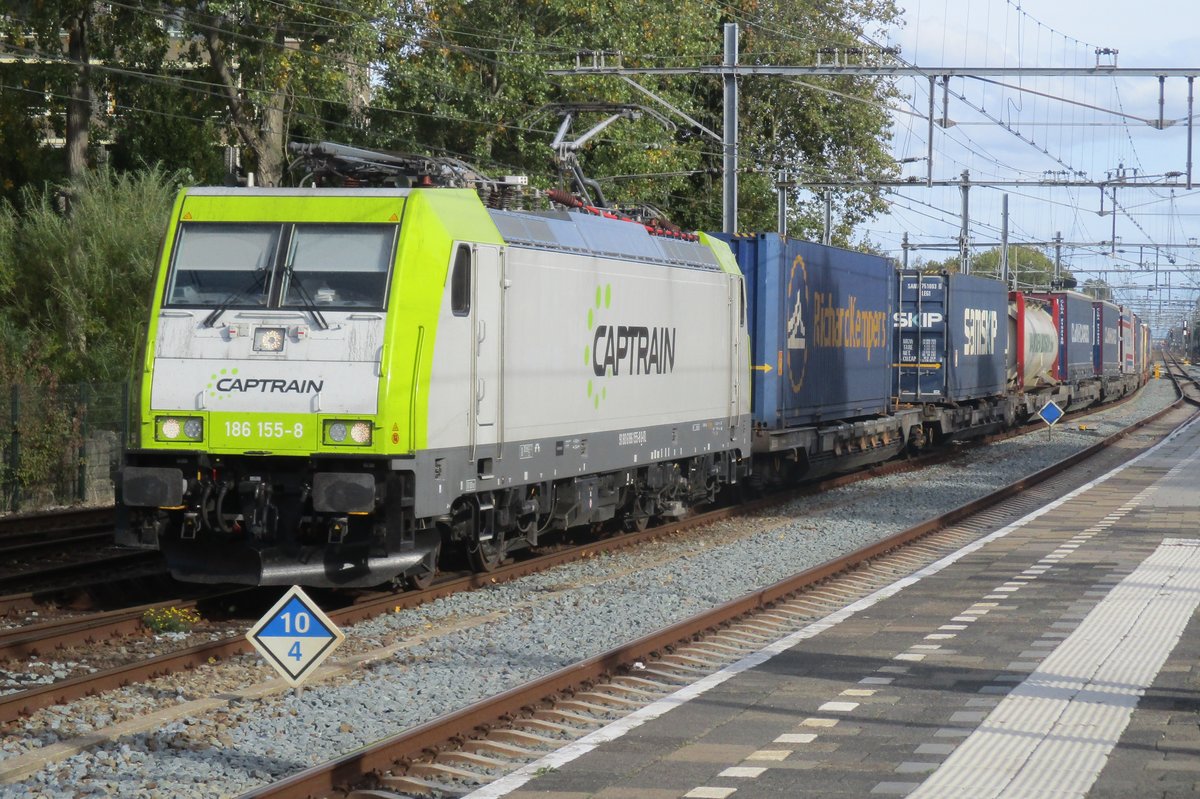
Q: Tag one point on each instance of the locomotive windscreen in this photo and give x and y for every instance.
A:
(254, 265)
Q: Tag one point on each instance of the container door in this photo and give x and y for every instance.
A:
(487, 343)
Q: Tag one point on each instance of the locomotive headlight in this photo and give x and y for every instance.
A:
(269, 339)
(179, 428)
(194, 429)
(348, 432)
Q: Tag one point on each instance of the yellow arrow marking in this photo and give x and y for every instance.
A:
(766, 367)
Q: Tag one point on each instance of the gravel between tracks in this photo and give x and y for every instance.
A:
(454, 651)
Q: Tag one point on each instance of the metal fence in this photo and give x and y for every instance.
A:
(61, 444)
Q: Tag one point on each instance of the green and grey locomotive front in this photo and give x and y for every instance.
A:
(340, 383)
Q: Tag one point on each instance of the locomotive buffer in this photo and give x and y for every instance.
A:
(295, 636)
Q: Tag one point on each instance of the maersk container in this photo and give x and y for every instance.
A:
(1073, 321)
(820, 331)
(1106, 339)
(951, 334)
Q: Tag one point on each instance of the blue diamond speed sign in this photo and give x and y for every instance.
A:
(1051, 413)
(295, 636)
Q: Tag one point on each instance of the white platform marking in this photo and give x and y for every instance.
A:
(796, 738)
(837, 707)
(1054, 731)
(710, 793)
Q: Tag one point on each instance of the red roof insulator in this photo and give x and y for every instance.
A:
(564, 198)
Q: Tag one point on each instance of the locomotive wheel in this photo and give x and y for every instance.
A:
(422, 578)
(635, 524)
(486, 556)
(635, 519)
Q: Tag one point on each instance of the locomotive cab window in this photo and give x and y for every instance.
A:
(460, 282)
(338, 266)
(223, 263)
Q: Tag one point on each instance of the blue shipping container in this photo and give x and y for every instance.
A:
(1106, 338)
(820, 331)
(951, 338)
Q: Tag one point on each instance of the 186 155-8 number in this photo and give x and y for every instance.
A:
(264, 430)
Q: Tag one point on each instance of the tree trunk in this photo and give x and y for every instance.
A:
(270, 143)
(264, 136)
(79, 107)
(271, 130)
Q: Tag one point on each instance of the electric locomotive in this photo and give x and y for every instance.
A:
(338, 383)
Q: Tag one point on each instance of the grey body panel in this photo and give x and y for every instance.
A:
(444, 475)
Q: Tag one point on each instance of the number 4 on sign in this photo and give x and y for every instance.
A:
(295, 636)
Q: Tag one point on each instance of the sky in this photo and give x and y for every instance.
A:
(1047, 138)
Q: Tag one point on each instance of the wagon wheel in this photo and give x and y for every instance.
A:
(422, 577)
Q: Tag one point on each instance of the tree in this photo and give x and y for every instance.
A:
(1097, 288)
(469, 79)
(74, 287)
(38, 30)
(1027, 267)
(278, 69)
(249, 71)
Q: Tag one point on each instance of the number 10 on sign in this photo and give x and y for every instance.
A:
(295, 636)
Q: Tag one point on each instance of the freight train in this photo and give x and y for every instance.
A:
(342, 386)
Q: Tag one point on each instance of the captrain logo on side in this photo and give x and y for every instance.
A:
(617, 350)
(820, 320)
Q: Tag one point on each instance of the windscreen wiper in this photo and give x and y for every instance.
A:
(305, 297)
(212, 318)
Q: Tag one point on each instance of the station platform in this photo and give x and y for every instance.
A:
(1058, 656)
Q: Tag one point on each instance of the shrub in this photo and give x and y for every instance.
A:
(170, 620)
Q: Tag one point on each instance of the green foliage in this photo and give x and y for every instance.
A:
(172, 138)
(49, 436)
(75, 286)
(281, 70)
(1097, 288)
(176, 89)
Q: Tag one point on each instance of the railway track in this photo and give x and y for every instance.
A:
(45, 638)
(27, 535)
(454, 754)
(28, 526)
(43, 553)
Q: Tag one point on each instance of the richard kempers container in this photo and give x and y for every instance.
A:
(820, 330)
